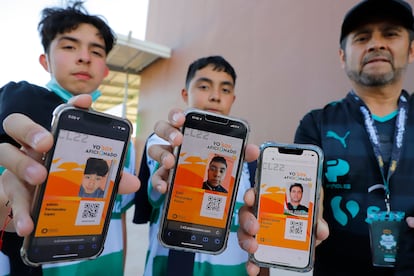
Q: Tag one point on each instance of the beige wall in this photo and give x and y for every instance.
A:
(285, 54)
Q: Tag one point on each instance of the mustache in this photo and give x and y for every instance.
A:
(383, 55)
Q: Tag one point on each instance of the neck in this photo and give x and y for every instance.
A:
(381, 101)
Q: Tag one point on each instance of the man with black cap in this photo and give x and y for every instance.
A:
(377, 118)
(368, 178)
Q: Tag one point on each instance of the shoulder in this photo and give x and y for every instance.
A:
(410, 97)
(23, 96)
(222, 189)
(312, 124)
(316, 114)
(22, 87)
(349, 101)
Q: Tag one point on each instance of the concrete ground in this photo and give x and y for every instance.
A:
(137, 235)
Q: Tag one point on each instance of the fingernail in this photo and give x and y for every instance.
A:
(244, 244)
(175, 117)
(39, 136)
(163, 157)
(159, 188)
(19, 225)
(247, 225)
(32, 172)
(172, 136)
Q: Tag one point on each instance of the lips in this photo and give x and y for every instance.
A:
(375, 58)
(82, 75)
(213, 110)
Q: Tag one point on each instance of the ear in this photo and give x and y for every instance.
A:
(43, 62)
(106, 71)
(184, 95)
(342, 57)
(411, 52)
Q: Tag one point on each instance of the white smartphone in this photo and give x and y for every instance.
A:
(72, 208)
(201, 198)
(288, 187)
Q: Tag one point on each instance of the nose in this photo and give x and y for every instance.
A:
(84, 56)
(377, 42)
(214, 95)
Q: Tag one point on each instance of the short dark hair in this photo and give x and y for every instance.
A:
(296, 185)
(219, 159)
(218, 62)
(96, 166)
(60, 20)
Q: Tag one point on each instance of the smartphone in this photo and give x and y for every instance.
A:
(203, 186)
(72, 208)
(288, 186)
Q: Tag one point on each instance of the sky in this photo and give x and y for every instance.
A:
(21, 47)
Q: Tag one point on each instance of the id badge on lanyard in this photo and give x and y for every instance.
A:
(384, 230)
(384, 226)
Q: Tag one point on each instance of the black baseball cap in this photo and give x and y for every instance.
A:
(368, 10)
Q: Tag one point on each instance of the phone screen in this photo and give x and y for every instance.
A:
(76, 200)
(288, 189)
(201, 198)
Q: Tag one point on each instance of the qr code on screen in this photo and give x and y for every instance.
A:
(213, 206)
(295, 229)
(89, 212)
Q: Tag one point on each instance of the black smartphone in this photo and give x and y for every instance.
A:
(72, 208)
(288, 187)
(203, 186)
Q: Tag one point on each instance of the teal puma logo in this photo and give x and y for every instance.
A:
(333, 134)
(340, 216)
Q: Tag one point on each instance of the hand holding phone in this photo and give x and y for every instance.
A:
(201, 197)
(72, 208)
(288, 186)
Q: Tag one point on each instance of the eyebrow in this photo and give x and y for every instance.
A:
(70, 38)
(203, 79)
(218, 166)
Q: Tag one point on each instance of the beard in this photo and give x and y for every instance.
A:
(375, 80)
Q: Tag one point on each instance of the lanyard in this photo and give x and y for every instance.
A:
(398, 141)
